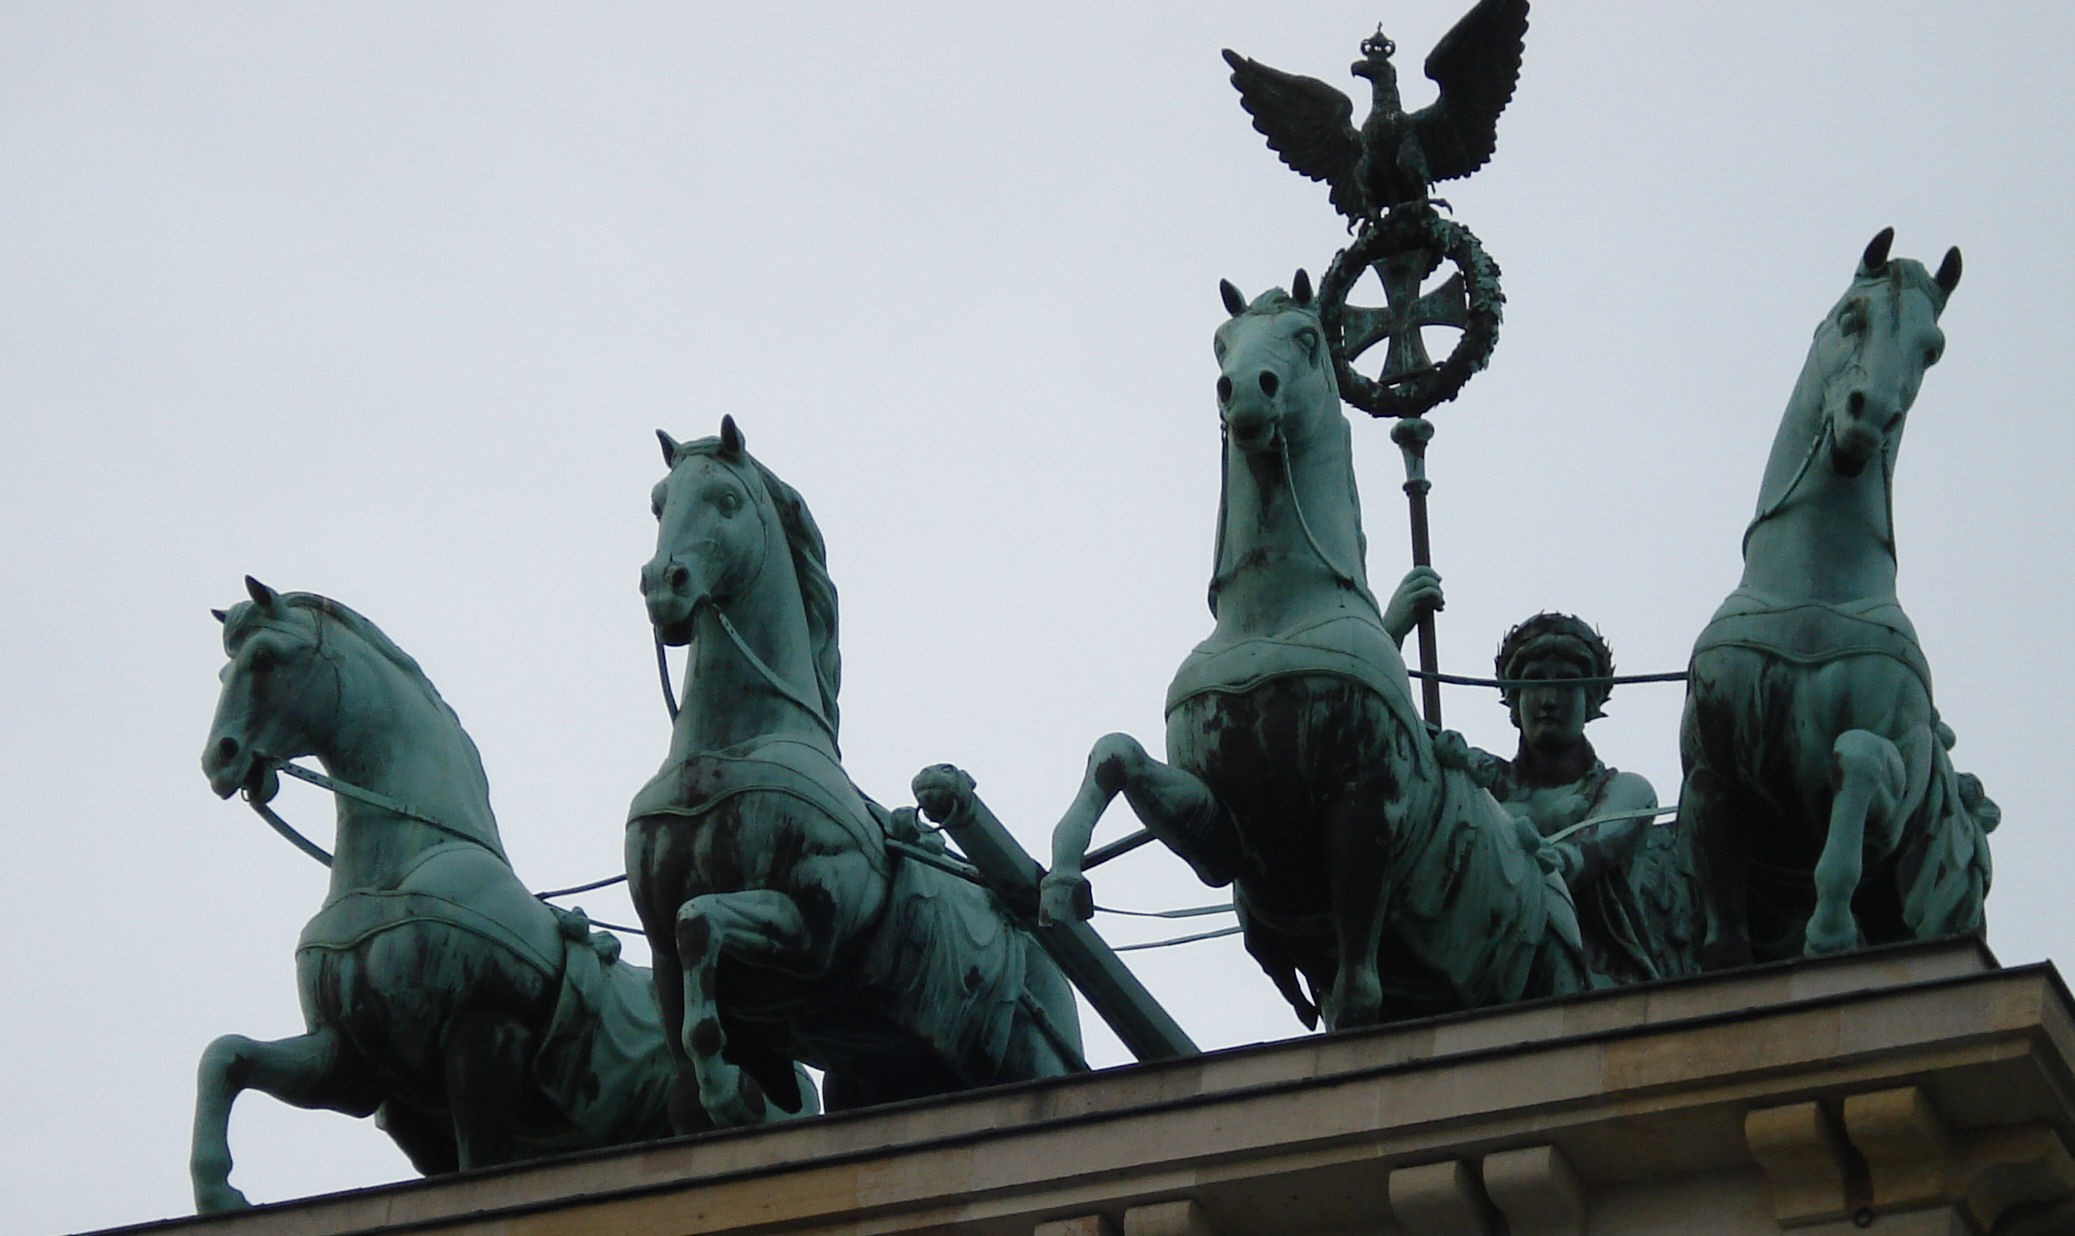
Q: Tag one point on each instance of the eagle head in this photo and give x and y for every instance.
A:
(1375, 63)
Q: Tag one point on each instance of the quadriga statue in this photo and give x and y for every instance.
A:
(786, 926)
(1372, 881)
(1816, 769)
(476, 1023)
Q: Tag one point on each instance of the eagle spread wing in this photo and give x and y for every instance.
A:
(1476, 64)
(1308, 124)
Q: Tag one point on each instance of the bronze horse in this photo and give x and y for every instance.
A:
(1298, 770)
(786, 926)
(1817, 779)
(477, 1024)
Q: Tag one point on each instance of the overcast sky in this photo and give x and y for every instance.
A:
(386, 302)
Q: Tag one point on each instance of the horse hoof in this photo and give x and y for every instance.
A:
(216, 1199)
(732, 1111)
(1825, 941)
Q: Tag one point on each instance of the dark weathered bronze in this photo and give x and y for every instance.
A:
(788, 919)
(1634, 885)
(1380, 176)
(1300, 772)
(1412, 436)
(946, 795)
(476, 1024)
(1816, 768)
(1395, 157)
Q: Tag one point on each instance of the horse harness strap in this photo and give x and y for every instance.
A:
(1815, 633)
(770, 676)
(1344, 577)
(1887, 478)
(694, 785)
(347, 789)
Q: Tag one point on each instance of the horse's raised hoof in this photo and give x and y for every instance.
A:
(1065, 898)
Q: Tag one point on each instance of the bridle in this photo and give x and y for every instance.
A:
(1281, 446)
(706, 601)
(1823, 434)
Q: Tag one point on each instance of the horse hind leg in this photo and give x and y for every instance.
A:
(1867, 780)
(311, 1071)
(486, 1074)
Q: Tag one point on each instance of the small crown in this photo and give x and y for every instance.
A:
(1376, 45)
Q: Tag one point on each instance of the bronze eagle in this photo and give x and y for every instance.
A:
(1394, 158)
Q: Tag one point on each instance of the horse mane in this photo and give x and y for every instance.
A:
(817, 590)
(357, 624)
(1897, 275)
(1275, 300)
(810, 566)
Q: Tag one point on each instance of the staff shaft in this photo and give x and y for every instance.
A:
(1412, 435)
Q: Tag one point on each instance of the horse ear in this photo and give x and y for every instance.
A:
(730, 436)
(670, 446)
(220, 615)
(1235, 304)
(1876, 255)
(1948, 276)
(261, 595)
(1300, 288)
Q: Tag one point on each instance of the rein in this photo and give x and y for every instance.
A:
(766, 672)
(1289, 480)
(1282, 451)
(1815, 447)
(344, 789)
(372, 799)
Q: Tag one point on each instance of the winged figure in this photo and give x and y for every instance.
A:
(1395, 157)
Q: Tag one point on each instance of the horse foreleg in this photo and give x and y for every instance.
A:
(1175, 806)
(306, 1071)
(1867, 779)
(487, 1058)
(759, 928)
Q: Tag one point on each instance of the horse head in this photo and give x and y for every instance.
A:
(275, 703)
(1871, 351)
(727, 531)
(1275, 377)
(715, 527)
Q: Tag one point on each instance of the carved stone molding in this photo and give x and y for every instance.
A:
(1179, 1218)
(1803, 1156)
(1086, 1225)
(1442, 1199)
(1916, 1162)
(1537, 1191)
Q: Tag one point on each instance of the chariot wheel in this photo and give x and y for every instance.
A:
(1407, 249)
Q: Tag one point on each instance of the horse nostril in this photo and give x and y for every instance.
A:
(1224, 389)
(1268, 383)
(677, 577)
(1857, 403)
(226, 748)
